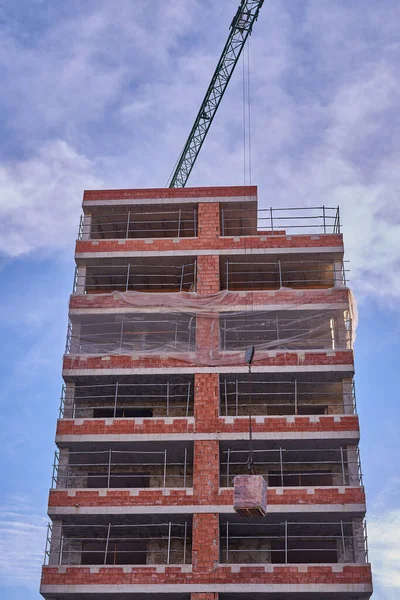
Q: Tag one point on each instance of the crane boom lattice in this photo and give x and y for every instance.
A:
(240, 29)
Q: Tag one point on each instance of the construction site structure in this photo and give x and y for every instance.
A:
(172, 286)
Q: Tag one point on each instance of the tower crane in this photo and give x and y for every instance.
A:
(240, 29)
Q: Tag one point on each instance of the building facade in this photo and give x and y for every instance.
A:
(171, 287)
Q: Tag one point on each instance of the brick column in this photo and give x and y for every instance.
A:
(205, 542)
(206, 471)
(206, 399)
(208, 274)
(204, 596)
(209, 220)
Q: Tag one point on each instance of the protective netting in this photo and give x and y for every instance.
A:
(210, 329)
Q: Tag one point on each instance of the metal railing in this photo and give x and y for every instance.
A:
(239, 274)
(282, 467)
(295, 397)
(138, 224)
(122, 469)
(112, 544)
(136, 277)
(297, 332)
(306, 220)
(124, 400)
(291, 542)
(132, 334)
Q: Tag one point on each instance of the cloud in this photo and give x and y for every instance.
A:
(40, 199)
(22, 540)
(112, 97)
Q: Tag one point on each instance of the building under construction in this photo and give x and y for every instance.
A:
(172, 287)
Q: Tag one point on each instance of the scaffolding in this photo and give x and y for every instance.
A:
(119, 544)
(152, 275)
(115, 468)
(295, 467)
(124, 398)
(147, 222)
(254, 273)
(248, 220)
(291, 396)
(292, 542)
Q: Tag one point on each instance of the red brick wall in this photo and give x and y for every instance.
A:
(207, 425)
(210, 241)
(340, 357)
(206, 398)
(208, 274)
(204, 572)
(295, 297)
(206, 470)
(205, 542)
(223, 497)
(162, 193)
(204, 596)
(209, 221)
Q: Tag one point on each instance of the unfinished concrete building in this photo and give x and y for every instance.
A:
(171, 287)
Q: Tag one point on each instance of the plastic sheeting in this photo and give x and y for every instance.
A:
(203, 329)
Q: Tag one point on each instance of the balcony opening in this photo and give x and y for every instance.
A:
(292, 464)
(129, 396)
(139, 540)
(289, 394)
(125, 465)
(160, 274)
(136, 222)
(272, 272)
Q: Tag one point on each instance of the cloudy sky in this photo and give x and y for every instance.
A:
(102, 94)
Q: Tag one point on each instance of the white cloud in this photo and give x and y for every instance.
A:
(22, 542)
(117, 93)
(40, 199)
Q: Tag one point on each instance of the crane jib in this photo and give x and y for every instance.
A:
(240, 29)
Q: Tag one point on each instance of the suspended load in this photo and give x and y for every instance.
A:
(250, 495)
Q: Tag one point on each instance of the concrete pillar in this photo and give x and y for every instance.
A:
(205, 542)
(75, 342)
(55, 544)
(80, 281)
(62, 473)
(338, 273)
(352, 458)
(69, 398)
(87, 227)
(347, 394)
(359, 543)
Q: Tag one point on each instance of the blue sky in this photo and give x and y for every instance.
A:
(100, 94)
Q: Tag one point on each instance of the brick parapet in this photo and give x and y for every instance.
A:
(196, 497)
(192, 193)
(205, 244)
(267, 359)
(306, 574)
(239, 425)
(243, 299)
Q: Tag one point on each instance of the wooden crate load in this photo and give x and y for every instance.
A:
(250, 495)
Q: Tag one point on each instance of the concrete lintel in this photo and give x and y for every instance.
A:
(148, 201)
(211, 252)
(245, 588)
(226, 308)
(349, 368)
(198, 509)
(155, 437)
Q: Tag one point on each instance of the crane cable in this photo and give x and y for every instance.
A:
(247, 164)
